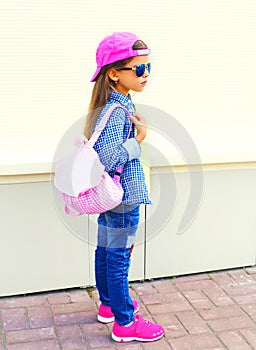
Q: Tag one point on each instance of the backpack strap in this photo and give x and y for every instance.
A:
(103, 122)
(100, 128)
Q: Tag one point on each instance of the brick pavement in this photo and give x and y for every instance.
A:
(199, 312)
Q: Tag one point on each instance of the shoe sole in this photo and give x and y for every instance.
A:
(102, 319)
(128, 339)
(105, 319)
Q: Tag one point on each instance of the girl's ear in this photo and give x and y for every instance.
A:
(113, 74)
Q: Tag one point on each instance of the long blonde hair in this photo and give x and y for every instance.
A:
(102, 88)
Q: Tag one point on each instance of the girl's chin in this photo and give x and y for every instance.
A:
(139, 89)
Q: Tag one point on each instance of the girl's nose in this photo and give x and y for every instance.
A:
(147, 70)
(146, 73)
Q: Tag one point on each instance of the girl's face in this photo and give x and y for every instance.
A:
(127, 80)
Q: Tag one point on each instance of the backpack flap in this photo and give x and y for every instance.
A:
(79, 171)
(82, 169)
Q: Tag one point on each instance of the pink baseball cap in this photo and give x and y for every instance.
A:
(116, 47)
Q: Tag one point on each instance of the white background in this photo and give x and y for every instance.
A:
(203, 59)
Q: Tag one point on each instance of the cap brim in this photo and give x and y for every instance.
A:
(95, 74)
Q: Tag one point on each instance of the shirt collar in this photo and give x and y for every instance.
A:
(126, 101)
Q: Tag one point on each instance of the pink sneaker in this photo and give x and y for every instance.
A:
(141, 330)
(105, 315)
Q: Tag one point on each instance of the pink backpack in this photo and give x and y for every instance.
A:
(83, 183)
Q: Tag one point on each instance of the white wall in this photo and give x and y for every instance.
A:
(203, 58)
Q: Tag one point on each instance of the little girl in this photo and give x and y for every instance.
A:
(122, 65)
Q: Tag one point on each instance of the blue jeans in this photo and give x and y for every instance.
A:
(116, 237)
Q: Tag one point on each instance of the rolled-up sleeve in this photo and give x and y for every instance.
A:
(132, 146)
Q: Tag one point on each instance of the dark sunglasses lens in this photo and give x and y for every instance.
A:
(140, 69)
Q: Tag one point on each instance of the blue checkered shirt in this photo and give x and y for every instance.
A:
(114, 150)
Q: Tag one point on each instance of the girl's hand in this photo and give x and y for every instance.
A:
(140, 123)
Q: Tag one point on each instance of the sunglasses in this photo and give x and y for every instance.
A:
(139, 69)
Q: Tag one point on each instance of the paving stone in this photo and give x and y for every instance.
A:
(128, 346)
(39, 316)
(196, 285)
(58, 298)
(29, 335)
(14, 319)
(143, 311)
(94, 294)
(174, 307)
(97, 335)
(161, 344)
(166, 298)
(251, 270)
(245, 299)
(241, 290)
(199, 342)
(233, 340)
(223, 279)
(250, 336)
(218, 297)
(79, 296)
(59, 309)
(173, 327)
(198, 300)
(133, 294)
(164, 286)
(242, 277)
(221, 312)
(1, 341)
(41, 345)
(191, 278)
(144, 288)
(250, 309)
(70, 338)
(75, 318)
(192, 322)
(21, 302)
(109, 348)
(233, 323)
